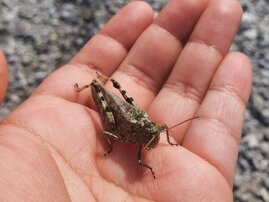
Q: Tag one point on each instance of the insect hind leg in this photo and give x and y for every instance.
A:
(117, 85)
(123, 92)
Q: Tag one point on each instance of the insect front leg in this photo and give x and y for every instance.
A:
(109, 135)
(165, 127)
(139, 158)
(78, 89)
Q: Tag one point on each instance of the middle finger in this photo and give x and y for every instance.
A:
(153, 55)
(196, 65)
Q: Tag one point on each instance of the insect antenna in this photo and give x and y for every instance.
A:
(195, 117)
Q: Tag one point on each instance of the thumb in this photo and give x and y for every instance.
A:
(3, 75)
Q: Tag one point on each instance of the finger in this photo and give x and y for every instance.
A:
(3, 75)
(189, 80)
(216, 134)
(153, 55)
(107, 49)
(104, 52)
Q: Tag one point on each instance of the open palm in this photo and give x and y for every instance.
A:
(175, 66)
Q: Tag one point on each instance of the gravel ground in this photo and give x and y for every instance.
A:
(32, 40)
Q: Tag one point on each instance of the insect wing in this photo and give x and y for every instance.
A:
(99, 96)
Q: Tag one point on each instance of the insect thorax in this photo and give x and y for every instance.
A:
(137, 128)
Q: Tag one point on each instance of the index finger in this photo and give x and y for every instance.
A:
(103, 53)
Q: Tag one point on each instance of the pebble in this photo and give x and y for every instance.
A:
(266, 133)
(264, 146)
(265, 116)
(266, 181)
(251, 34)
(264, 194)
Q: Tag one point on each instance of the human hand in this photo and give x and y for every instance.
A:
(3, 76)
(175, 66)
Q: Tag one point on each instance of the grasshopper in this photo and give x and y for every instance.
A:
(124, 120)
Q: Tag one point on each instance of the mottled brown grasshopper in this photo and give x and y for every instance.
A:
(125, 121)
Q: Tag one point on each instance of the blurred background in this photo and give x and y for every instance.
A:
(39, 36)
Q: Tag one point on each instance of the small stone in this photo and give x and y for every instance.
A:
(248, 19)
(251, 34)
(14, 98)
(259, 162)
(264, 194)
(265, 116)
(40, 75)
(258, 102)
(265, 75)
(264, 146)
(265, 181)
(266, 133)
(251, 140)
(244, 163)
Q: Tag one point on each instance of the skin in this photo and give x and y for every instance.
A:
(3, 76)
(175, 66)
